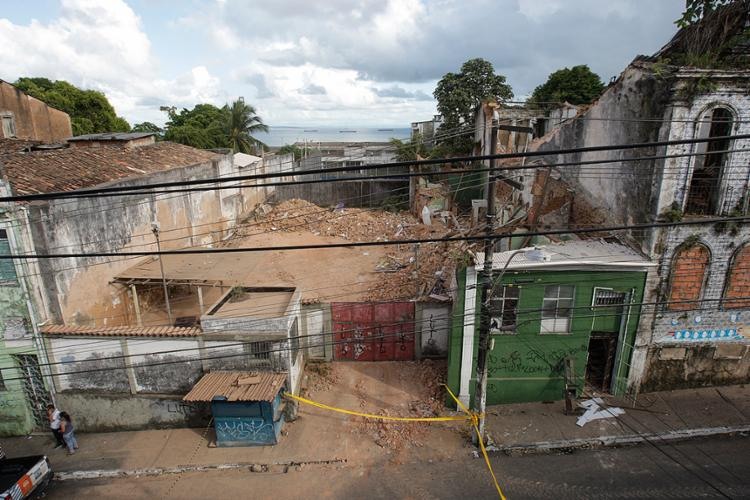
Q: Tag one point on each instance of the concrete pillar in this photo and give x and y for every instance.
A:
(200, 300)
(138, 318)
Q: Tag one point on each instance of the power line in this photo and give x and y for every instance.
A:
(123, 190)
(549, 232)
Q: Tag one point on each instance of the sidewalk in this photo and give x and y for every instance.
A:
(660, 416)
(323, 439)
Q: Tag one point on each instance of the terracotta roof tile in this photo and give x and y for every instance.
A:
(122, 331)
(68, 169)
(237, 386)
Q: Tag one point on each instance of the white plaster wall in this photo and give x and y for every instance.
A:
(71, 352)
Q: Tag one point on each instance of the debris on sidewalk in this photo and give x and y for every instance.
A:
(597, 409)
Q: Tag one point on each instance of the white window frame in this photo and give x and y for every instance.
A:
(14, 280)
(557, 324)
(499, 295)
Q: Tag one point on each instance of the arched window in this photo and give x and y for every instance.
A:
(688, 275)
(737, 289)
(704, 191)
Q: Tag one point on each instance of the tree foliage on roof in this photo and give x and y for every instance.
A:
(458, 95)
(209, 127)
(90, 111)
(713, 34)
(576, 85)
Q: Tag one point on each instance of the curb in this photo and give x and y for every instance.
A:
(159, 471)
(613, 441)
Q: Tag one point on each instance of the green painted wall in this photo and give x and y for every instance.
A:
(15, 414)
(528, 365)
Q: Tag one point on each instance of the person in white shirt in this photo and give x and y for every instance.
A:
(53, 414)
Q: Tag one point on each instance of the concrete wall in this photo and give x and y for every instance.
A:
(352, 193)
(433, 322)
(77, 289)
(624, 193)
(110, 412)
(33, 119)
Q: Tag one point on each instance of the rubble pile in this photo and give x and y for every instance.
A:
(394, 435)
(423, 273)
(356, 224)
(320, 377)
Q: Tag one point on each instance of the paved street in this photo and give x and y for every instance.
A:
(710, 468)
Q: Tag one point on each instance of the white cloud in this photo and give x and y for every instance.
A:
(101, 45)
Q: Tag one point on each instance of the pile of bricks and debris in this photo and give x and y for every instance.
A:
(407, 272)
(394, 435)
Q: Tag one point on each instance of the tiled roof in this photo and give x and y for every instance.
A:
(237, 386)
(75, 168)
(122, 331)
(111, 136)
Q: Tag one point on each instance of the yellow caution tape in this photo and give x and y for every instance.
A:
(474, 423)
(470, 416)
(380, 417)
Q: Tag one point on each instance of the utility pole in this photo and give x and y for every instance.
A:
(155, 229)
(480, 394)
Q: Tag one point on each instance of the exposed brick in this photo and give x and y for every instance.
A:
(689, 271)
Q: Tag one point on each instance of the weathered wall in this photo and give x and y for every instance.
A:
(34, 120)
(625, 191)
(712, 324)
(111, 412)
(432, 326)
(696, 364)
(78, 288)
(352, 193)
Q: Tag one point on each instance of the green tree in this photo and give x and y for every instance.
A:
(576, 85)
(209, 127)
(90, 111)
(241, 123)
(458, 95)
(148, 127)
(202, 127)
(409, 150)
(291, 149)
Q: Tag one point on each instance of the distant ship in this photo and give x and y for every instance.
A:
(311, 130)
(347, 131)
(385, 130)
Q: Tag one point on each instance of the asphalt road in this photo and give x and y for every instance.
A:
(708, 468)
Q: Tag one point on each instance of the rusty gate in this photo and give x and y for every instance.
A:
(367, 331)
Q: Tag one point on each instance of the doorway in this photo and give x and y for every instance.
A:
(609, 323)
(33, 387)
(602, 350)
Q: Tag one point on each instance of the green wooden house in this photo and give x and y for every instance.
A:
(573, 305)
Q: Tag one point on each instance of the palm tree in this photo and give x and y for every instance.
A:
(242, 122)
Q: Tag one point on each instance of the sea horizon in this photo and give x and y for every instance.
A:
(280, 135)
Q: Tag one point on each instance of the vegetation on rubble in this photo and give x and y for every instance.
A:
(90, 111)
(458, 95)
(576, 85)
(713, 34)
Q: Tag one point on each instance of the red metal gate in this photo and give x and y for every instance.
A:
(365, 331)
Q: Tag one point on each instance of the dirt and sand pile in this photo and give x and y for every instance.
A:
(427, 376)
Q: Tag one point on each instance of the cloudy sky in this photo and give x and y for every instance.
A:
(307, 62)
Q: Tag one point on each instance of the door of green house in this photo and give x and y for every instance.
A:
(607, 337)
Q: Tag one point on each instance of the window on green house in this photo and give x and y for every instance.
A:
(557, 308)
(503, 308)
(7, 267)
(2, 382)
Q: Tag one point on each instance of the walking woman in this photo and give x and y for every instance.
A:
(68, 432)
